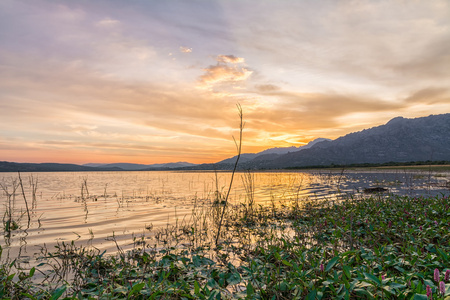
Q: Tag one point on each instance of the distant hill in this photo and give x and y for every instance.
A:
(140, 167)
(55, 167)
(48, 167)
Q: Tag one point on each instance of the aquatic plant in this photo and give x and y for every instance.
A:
(322, 250)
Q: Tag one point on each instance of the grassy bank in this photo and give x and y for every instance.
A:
(375, 247)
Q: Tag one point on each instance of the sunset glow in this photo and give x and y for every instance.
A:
(158, 81)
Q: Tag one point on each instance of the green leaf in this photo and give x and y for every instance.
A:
(28, 296)
(328, 282)
(319, 295)
(196, 288)
(372, 278)
(347, 271)
(283, 286)
(277, 255)
(311, 295)
(428, 282)
(234, 278)
(442, 253)
(389, 290)
(400, 269)
(331, 263)
(32, 272)
(58, 292)
(137, 288)
(215, 294)
(285, 262)
(420, 297)
(250, 290)
(397, 286)
(365, 293)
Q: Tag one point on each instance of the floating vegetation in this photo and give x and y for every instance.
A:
(375, 247)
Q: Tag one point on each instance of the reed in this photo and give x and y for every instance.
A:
(25, 199)
(10, 221)
(239, 149)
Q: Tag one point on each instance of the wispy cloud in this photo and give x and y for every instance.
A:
(185, 49)
(108, 22)
(430, 95)
(230, 59)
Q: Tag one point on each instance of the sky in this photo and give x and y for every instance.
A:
(152, 81)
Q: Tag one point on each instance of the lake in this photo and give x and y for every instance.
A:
(91, 207)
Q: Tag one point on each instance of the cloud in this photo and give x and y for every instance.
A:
(185, 49)
(230, 59)
(265, 88)
(363, 46)
(429, 95)
(223, 73)
(429, 64)
(227, 70)
(108, 22)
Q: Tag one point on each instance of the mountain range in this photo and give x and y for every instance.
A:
(272, 152)
(399, 140)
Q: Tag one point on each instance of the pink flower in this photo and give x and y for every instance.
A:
(435, 222)
(429, 292)
(442, 287)
(436, 275)
(322, 268)
(447, 275)
(383, 277)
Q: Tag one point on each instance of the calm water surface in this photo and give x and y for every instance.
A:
(90, 207)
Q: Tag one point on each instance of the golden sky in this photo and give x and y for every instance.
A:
(158, 81)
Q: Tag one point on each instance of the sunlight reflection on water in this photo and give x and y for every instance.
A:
(89, 207)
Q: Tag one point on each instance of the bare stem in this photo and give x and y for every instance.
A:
(24, 198)
(239, 148)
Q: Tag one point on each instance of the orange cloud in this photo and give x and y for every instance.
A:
(222, 73)
(227, 70)
(230, 59)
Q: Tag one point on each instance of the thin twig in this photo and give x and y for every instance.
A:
(239, 148)
(24, 198)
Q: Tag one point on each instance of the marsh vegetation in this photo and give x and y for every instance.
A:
(283, 236)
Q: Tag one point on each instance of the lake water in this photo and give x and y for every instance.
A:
(90, 207)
